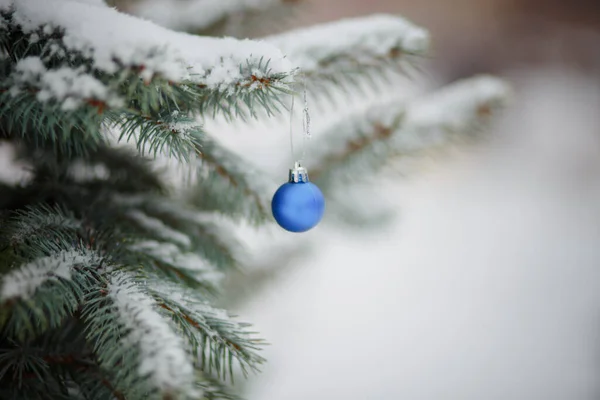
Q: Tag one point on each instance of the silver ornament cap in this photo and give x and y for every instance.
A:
(298, 174)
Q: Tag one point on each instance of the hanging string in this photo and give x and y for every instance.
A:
(305, 121)
(292, 129)
(305, 124)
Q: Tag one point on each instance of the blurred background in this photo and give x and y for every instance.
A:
(486, 283)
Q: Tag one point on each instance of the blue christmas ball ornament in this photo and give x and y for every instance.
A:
(298, 205)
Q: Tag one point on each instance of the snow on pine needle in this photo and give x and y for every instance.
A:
(67, 85)
(175, 209)
(452, 112)
(170, 254)
(202, 310)
(5, 5)
(158, 228)
(23, 281)
(213, 333)
(356, 38)
(455, 105)
(197, 14)
(163, 356)
(40, 220)
(416, 124)
(82, 172)
(399, 128)
(114, 40)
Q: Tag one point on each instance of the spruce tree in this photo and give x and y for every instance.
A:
(109, 272)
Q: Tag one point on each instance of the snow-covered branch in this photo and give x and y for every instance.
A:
(214, 335)
(188, 264)
(370, 138)
(208, 231)
(110, 66)
(70, 86)
(230, 185)
(455, 107)
(195, 14)
(23, 281)
(162, 354)
(39, 222)
(158, 228)
(114, 41)
(328, 51)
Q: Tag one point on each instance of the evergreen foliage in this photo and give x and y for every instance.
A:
(108, 274)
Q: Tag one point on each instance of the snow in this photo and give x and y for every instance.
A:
(370, 36)
(93, 2)
(182, 126)
(194, 14)
(84, 172)
(30, 68)
(199, 217)
(115, 40)
(167, 206)
(174, 292)
(206, 311)
(13, 170)
(427, 121)
(172, 255)
(69, 86)
(162, 352)
(454, 105)
(5, 5)
(129, 200)
(168, 290)
(26, 226)
(23, 281)
(158, 228)
(453, 109)
(243, 171)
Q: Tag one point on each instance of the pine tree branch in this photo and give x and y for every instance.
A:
(214, 389)
(228, 184)
(127, 171)
(208, 237)
(133, 341)
(38, 295)
(25, 374)
(256, 23)
(158, 228)
(82, 188)
(48, 267)
(74, 361)
(135, 43)
(214, 336)
(396, 129)
(365, 48)
(64, 95)
(184, 267)
(67, 367)
(197, 15)
(162, 134)
(70, 363)
(135, 227)
(22, 117)
(239, 18)
(41, 228)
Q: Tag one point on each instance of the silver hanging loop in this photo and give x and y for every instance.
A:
(292, 128)
(299, 174)
(305, 121)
